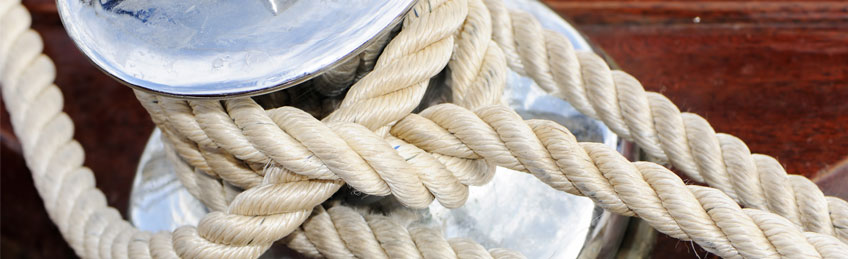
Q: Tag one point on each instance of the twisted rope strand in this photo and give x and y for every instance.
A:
(402, 72)
(503, 157)
(399, 79)
(502, 122)
(176, 110)
(434, 25)
(477, 68)
(482, 80)
(68, 188)
(488, 82)
(657, 126)
(343, 232)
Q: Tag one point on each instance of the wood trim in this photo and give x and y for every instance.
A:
(612, 13)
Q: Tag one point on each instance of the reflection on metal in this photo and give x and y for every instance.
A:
(515, 210)
(158, 200)
(277, 6)
(200, 48)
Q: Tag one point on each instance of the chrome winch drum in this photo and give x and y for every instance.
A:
(205, 49)
(217, 49)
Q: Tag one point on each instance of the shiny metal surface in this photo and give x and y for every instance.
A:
(515, 210)
(201, 48)
(158, 200)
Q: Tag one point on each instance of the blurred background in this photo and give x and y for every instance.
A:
(773, 73)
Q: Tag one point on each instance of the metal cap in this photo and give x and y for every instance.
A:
(209, 48)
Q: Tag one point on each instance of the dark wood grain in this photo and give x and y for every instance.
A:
(779, 82)
(774, 73)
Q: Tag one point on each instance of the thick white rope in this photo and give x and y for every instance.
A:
(57, 144)
(477, 68)
(559, 41)
(347, 233)
(479, 73)
(584, 79)
(540, 77)
(657, 126)
(343, 232)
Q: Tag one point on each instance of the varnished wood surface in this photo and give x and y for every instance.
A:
(773, 73)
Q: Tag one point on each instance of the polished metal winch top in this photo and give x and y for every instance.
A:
(201, 48)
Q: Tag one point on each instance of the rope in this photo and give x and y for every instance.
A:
(651, 120)
(392, 90)
(342, 232)
(484, 79)
(339, 78)
(705, 215)
(810, 204)
(598, 171)
(478, 63)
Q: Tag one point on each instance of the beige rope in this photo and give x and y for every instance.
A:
(213, 193)
(703, 214)
(488, 79)
(560, 41)
(342, 232)
(657, 125)
(807, 185)
(482, 81)
(756, 181)
(478, 64)
(691, 221)
(339, 78)
(369, 235)
(401, 75)
(417, 53)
